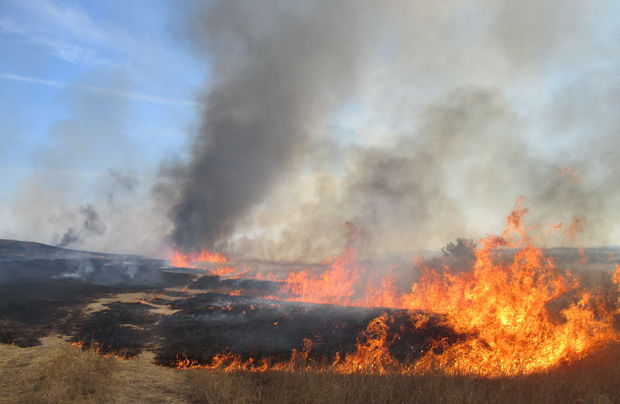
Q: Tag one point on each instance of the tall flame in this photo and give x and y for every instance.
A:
(506, 308)
(373, 355)
(518, 313)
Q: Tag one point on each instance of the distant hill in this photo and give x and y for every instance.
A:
(16, 249)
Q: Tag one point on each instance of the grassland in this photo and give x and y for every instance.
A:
(57, 372)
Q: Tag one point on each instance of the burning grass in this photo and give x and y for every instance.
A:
(60, 373)
(591, 381)
(510, 325)
(180, 259)
(518, 313)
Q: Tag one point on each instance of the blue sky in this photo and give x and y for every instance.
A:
(92, 91)
(58, 51)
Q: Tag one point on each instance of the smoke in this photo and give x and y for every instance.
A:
(69, 237)
(278, 68)
(86, 188)
(90, 226)
(418, 122)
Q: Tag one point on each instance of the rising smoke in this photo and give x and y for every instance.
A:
(84, 189)
(418, 121)
(278, 69)
(462, 106)
(90, 226)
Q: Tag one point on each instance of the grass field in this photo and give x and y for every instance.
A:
(57, 372)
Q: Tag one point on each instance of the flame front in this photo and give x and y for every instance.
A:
(189, 260)
(517, 312)
(373, 355)
(506, 309)
(345, 282)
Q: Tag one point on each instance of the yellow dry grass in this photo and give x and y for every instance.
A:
(147, 297)
(53, 373)
(57, 372)
(573, 386)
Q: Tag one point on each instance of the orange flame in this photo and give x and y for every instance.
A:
(95, 347)
(506, 307)
(373, 355)
(229, 362)
(572, 175)
(345, 282)
(223, 271)
(519, 313)
(189, 260)
(334, 285)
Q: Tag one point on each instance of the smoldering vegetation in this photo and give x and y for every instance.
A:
(34, 262)
(209, 324)
(124, 305)
(43, 289)
(176, 312)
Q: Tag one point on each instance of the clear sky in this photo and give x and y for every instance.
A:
(55, 51)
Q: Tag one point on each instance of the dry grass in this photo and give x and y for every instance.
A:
(57, 372)
(276, 387)
(595, 380)
(54, 374)
(60, 373)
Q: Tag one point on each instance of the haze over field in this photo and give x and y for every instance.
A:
(259, 130)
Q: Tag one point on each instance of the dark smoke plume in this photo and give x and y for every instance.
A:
(465, 106)
(91, 225)
(277, 67)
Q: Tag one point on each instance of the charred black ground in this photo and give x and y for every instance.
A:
(127, 304)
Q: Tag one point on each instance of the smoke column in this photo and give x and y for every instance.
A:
(277, 67)
(464, 107)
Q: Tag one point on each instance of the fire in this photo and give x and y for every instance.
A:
(229, 362)
(223, 271)
(333, 286)
(615, 279)
(189, 260)
(99, 350)
(572, 175)
(373, 355)
(505, 306)
(345, 282)
(517, 312)
(386, 295)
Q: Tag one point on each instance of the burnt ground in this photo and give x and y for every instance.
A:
(32, 310)
(124, 305)
(210, 323)
(127, 304)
